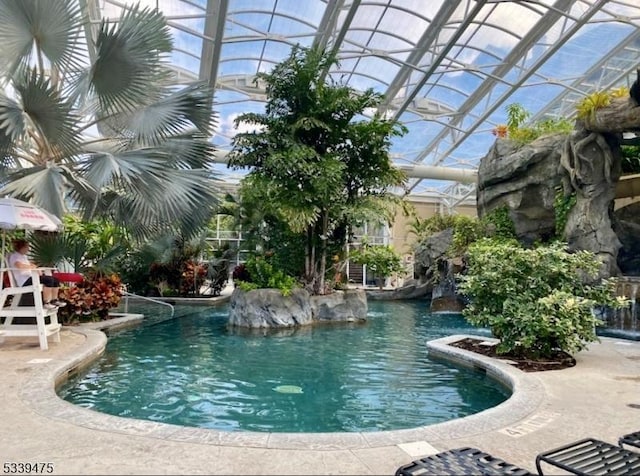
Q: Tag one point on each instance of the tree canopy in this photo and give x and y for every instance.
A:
(98, 124)
(317, 164)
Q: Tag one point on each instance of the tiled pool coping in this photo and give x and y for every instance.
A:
(38, 393)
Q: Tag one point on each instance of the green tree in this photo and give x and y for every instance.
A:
(317, 165)
(101, 125)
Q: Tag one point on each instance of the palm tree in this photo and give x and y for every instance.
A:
(99, 125)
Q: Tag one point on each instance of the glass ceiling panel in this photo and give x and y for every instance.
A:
(243, 66)
(449, 95)
(307, 10)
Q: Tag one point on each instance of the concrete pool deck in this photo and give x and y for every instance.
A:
(599, 397)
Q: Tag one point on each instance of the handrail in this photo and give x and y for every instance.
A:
(137, 296)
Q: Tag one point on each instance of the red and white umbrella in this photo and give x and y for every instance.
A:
(18, 215)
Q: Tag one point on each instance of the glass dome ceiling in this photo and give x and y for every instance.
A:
(447, 68)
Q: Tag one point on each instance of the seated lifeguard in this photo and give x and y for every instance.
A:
(22, 274)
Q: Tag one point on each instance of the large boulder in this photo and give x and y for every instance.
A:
(346, 306)
(430, 251)
(266, 308)
(524, 179)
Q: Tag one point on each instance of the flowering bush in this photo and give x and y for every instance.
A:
(90, 300)
(536, 301)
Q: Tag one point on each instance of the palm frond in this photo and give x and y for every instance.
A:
(54, 27)
(129, 71)
(12, 119)
(107, 168)
(174, 114)
(141, 185)
(41, 185)
(50, 114)
(190, 150)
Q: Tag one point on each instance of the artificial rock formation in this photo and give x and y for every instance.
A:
(430, 251)
(525, 180)
(592, 165)
(434, 266)
(445, 297)
(340, 306)
(268, 308)
(261, 308)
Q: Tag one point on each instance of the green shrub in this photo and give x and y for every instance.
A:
(534, 300)
(517, 131)
(262, 274)
(466, 230)
(630, 159)
(498, 224)
(381, 260)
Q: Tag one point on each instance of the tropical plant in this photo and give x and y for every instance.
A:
(91, 299)
(218, 270)
(381, 260)
(588, 106)
(562, 205)
(466, 230)
(516, 117)
(96, 121)
(518, 132)
(259, 272)
(82, 245)
(317, 166)
(536, 301)
(162, 265)
(630, 159)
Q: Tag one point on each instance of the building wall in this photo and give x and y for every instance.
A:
(401, 236)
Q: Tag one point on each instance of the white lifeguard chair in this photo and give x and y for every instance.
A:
(40, 329)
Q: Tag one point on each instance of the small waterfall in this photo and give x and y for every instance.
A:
(444, 297)
(634, 314)
(625, 321)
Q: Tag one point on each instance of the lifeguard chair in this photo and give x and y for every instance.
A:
(8, 311)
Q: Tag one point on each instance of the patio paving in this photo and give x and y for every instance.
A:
(599, 397)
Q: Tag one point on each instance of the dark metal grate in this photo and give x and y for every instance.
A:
(591, 457)
(460, 461)
(632, 439)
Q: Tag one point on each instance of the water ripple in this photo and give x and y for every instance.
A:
(192, 371)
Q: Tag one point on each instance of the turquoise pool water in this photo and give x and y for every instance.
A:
(193, 371)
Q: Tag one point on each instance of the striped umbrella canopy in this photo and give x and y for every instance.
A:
(18, 215)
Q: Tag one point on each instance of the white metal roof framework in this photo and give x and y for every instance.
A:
(447, 68)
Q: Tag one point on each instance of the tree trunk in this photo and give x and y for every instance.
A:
(622, 115)
(308, 262)
(323, 254)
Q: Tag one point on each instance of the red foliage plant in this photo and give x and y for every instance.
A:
(91, 299)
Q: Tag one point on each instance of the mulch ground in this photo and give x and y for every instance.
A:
(560, 360)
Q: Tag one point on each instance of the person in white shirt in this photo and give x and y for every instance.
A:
(22, 274)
